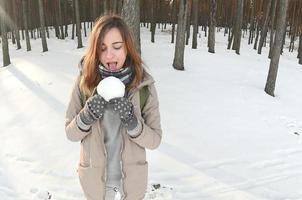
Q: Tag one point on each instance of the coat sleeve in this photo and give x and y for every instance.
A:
(151, 134)
(73, 132)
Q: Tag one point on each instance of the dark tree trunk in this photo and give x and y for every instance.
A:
(274, 5)
(257, 37)
(211, 38)
(188, 23)
(78, 24)
(42, 23)
(252, 22)
(174, 15)
(280, 29)
(25, 15)
(300, 49)
(238, 26)
(5, 50)
(153, 21)
(264, 27)
(178, 62)
(16, 28)
(195, 23)
(131, 15)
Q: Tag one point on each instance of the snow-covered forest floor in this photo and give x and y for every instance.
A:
(224, 138)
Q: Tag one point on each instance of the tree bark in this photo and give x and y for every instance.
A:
(300, 49)
(238, 26)
(280, 30)
(131, 15)
(174, 15)
(188, 23)
(16, 27)
(78, 24)
(42, 23)
(178, 62)
(212, 20)
(5, 50)
(195, 23)
(265, 25)
(272, 27)
(25, 15)
(153, 21)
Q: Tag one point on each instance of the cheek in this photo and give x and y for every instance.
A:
(102, 58)
(122, 56)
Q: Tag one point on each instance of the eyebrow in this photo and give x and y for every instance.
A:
(115, 43)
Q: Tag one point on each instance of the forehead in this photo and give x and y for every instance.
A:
(113, 35)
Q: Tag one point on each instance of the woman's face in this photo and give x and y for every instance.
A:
(113, 51)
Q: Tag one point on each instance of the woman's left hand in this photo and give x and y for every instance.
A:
(125, 109)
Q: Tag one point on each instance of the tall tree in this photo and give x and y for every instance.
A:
(272, 27)
(174, 16)
(211, 37)
(94, 9)
(153, 21)
(3, 21)
(60, 19)
(131, 15)
(42, 23)
(238, 26)
(300, 49)
(16, 19)
(264, 27)
(178, 62)
(78, 24)
(188, 22)
(25, 21)
(280, 29)
(195, 23)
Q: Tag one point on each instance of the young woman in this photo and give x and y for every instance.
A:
(114, 134)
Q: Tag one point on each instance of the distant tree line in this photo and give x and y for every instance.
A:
(264, 22)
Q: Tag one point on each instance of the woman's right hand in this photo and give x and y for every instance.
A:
(94, 109)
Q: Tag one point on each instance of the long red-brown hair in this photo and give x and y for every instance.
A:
(90, 75)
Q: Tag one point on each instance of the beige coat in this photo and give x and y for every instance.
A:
(92, 164)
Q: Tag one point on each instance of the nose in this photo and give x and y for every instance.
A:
(109, 54)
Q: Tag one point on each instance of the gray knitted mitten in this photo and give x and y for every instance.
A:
(94, 109)
(125, 110)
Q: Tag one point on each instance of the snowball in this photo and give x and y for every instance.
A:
(110, 88)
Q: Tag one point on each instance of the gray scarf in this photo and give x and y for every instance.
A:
(124, 74)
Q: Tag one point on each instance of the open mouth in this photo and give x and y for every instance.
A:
(112, 66)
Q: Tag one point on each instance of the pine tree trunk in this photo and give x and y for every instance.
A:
(42, 23)
(257, 37)
(25, 15)
(16, 19)
(188, 24)
(300, 49)
(174, 15)
(280, 30)
(178, 62)
(238, 26)
(60, 19)
(195, 23)
(94, 10)
(265, 25)
(212, 20)
(78, 24)
(131, 15)
(153, 21)
(5, 50)
(272, 28)
(252, 23)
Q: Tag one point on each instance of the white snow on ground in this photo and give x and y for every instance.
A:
(224, 138)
